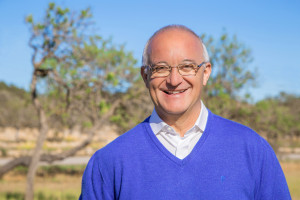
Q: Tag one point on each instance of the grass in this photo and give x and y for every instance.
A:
(38, 195)
(291, 170)
(26, 146)
(64, 182)
(44, 171)
(60, 187)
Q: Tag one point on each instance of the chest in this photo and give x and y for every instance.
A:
(197, 178)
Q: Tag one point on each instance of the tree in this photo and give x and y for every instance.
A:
(16, 108)
(135, 107)
(278, 117)
(230, 61)
(231, 73)
(78, 79)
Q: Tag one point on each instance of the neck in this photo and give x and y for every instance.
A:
(181, 123)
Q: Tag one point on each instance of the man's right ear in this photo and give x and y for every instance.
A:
(144, 74)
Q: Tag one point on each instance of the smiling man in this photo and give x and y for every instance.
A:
(183, 151)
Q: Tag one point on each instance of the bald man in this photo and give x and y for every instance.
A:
(183, 151)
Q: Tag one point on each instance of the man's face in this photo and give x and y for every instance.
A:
(176, 95)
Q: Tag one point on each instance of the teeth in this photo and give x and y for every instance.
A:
(174, 92)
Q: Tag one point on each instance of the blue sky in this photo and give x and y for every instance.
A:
(271, 29)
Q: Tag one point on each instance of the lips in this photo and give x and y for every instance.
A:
(170, 92)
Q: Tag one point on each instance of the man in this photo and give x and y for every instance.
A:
(183, 151)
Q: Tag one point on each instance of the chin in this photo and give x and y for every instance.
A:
(174, 111)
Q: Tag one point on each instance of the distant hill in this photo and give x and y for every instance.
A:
(16, 109)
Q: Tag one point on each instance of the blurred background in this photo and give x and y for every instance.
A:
(70, 83)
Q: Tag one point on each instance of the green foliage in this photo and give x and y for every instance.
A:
(134, 107)
(49, 63)
(74, 170)
(85, 72)
(52, 170)
(15, 196)
(40, 196)
(87, 124)
(279, 116)
(104, 106)
(20, 170)
(3, 152)
(29, 19)
(16, 109)
(230, 61)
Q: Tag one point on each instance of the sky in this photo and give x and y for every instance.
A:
(270, 28)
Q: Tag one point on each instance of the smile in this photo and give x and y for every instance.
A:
(174, 92)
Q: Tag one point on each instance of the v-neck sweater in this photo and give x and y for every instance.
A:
(230, 161)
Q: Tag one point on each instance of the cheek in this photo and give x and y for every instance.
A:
(153, 87)
(155, 83)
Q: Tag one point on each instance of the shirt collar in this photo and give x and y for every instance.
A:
(157, 124)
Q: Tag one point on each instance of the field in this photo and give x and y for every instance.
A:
(292, 173)
(63, 183)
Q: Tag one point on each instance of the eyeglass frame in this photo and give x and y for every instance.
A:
(170, 69)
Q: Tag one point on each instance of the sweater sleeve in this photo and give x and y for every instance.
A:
(94, 185)
(272, 184)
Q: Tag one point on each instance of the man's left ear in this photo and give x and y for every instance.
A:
(206, 73)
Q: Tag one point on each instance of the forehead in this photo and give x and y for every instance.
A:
(174, 46)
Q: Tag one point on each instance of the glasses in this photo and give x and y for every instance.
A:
(163, 70)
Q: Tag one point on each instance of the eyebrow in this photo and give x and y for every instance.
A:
(189, 60)
(161, 62)
(185, 60)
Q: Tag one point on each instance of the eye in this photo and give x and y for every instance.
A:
(160, 68)
(187, 67)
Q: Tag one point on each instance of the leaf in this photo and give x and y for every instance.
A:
(29, 19)
(51, 6)
(110, 76)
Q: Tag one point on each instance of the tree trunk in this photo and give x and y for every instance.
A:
(49, 158)
(37, 151)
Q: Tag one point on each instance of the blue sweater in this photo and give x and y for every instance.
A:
(230, 161)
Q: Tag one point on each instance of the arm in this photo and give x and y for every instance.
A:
(94, 184)
(272, 184)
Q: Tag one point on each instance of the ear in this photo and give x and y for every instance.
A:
(144, 74)
(206, 73)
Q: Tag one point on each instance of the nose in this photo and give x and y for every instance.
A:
(174, 77)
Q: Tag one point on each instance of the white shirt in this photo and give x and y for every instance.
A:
(179, 146)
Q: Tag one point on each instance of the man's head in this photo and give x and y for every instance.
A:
(174, 94)
(145, 58)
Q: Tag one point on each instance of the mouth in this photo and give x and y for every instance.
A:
(170, 92)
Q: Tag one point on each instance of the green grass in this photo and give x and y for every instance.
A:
(39, 196)
(52, 170)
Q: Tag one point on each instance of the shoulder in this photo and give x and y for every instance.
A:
(236, 133)
(231, 128)
(123, 145)
(251, 153)
(227, 124)
(240, 139)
